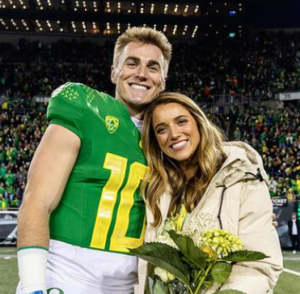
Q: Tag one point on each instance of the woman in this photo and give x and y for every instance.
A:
(192, 169)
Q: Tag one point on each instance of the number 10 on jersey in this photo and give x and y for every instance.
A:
(118, 242)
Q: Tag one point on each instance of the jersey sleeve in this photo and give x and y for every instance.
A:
(66, 108)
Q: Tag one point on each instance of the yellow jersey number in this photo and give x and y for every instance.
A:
(119, 242)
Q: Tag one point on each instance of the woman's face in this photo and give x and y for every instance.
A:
(176, 131)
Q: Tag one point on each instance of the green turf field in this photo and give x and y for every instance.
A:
(287, 284)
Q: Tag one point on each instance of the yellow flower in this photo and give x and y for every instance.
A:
(207, 250)
(220, 241)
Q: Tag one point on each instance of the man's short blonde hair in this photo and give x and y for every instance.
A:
(147, 36)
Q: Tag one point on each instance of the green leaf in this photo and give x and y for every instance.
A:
(165, 257)
(229, 292)
(245, 255)
(160, 288)
(209, 281)
(187, 247)
(221, 272)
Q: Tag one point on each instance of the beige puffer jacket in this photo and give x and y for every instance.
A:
(238, 196)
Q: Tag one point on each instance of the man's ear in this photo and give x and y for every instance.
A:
(163, 84)
(113, 76)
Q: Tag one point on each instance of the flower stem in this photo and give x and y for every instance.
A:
(198, 275)
(190, 290)
(203, 278)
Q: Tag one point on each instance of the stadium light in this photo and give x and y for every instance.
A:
(152, 8)
(166, 8)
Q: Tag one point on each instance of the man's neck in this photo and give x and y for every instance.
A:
(138, 123)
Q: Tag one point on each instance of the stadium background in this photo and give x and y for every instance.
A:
(239, 60)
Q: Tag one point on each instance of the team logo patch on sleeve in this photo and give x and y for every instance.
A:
(112, 123)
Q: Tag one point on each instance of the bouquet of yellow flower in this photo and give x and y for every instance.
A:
(193, 260)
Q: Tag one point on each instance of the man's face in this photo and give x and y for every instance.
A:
(139, 76)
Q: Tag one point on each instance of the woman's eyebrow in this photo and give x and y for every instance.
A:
(175, 118)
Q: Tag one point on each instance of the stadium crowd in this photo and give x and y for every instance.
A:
(257, 69)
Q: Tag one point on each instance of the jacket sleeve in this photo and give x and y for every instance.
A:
(257, 233)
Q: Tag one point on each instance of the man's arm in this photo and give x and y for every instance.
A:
(47, 177)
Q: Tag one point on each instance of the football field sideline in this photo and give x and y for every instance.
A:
(291, 272)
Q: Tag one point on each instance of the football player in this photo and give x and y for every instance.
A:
(82, 208)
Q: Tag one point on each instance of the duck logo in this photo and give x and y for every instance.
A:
(112, 123)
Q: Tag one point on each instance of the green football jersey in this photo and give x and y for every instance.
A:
(101, 207)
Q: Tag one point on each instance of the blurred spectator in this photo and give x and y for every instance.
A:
(3, 203)
(294, 231)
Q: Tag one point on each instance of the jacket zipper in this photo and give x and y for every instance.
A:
(220, 208)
